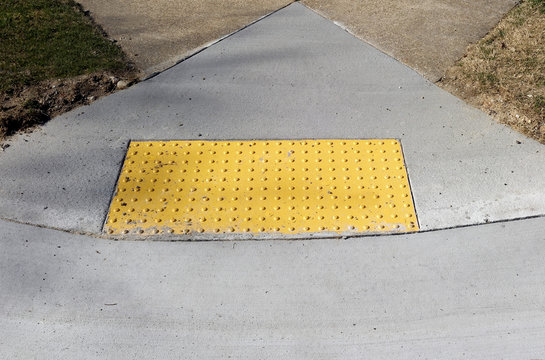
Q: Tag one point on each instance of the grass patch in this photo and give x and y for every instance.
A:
(539, 103)
(539, 4)
(53, 58)
(46, 39)
(487, 79)
(504, 73)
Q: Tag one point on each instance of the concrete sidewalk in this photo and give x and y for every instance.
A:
(473, 293)
(428, 35)
(155, 34)
(292, 75)
(469, 292)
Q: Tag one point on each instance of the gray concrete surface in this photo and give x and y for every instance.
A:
(292, 75)
(155, 34)
(427, 35)
(474, 293)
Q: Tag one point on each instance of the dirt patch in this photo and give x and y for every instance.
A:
(504, 73)
(427, 35)
(155, 34)
(54, 57)
(25, 107)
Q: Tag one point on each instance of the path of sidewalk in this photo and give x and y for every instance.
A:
(474, 293)
(427, 35)
(292, 75)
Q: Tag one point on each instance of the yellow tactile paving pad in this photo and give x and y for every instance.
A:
(262, 187)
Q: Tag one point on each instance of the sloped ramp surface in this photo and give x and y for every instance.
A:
(293, 75)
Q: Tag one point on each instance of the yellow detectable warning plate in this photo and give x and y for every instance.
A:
(262, 188)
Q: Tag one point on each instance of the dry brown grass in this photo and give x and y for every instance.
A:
(504, 73)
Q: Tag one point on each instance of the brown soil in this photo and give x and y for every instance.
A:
(26, 107)
(427, 35)
(504, 73)
(156, 34)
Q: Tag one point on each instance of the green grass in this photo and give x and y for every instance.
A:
(488, 52)
(46, 39)
(487, 79)
(539, 3)
(539, 103)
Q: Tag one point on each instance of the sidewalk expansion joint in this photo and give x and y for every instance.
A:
(262, 189)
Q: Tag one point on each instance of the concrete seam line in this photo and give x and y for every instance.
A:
(104, 237)
(53, 228)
